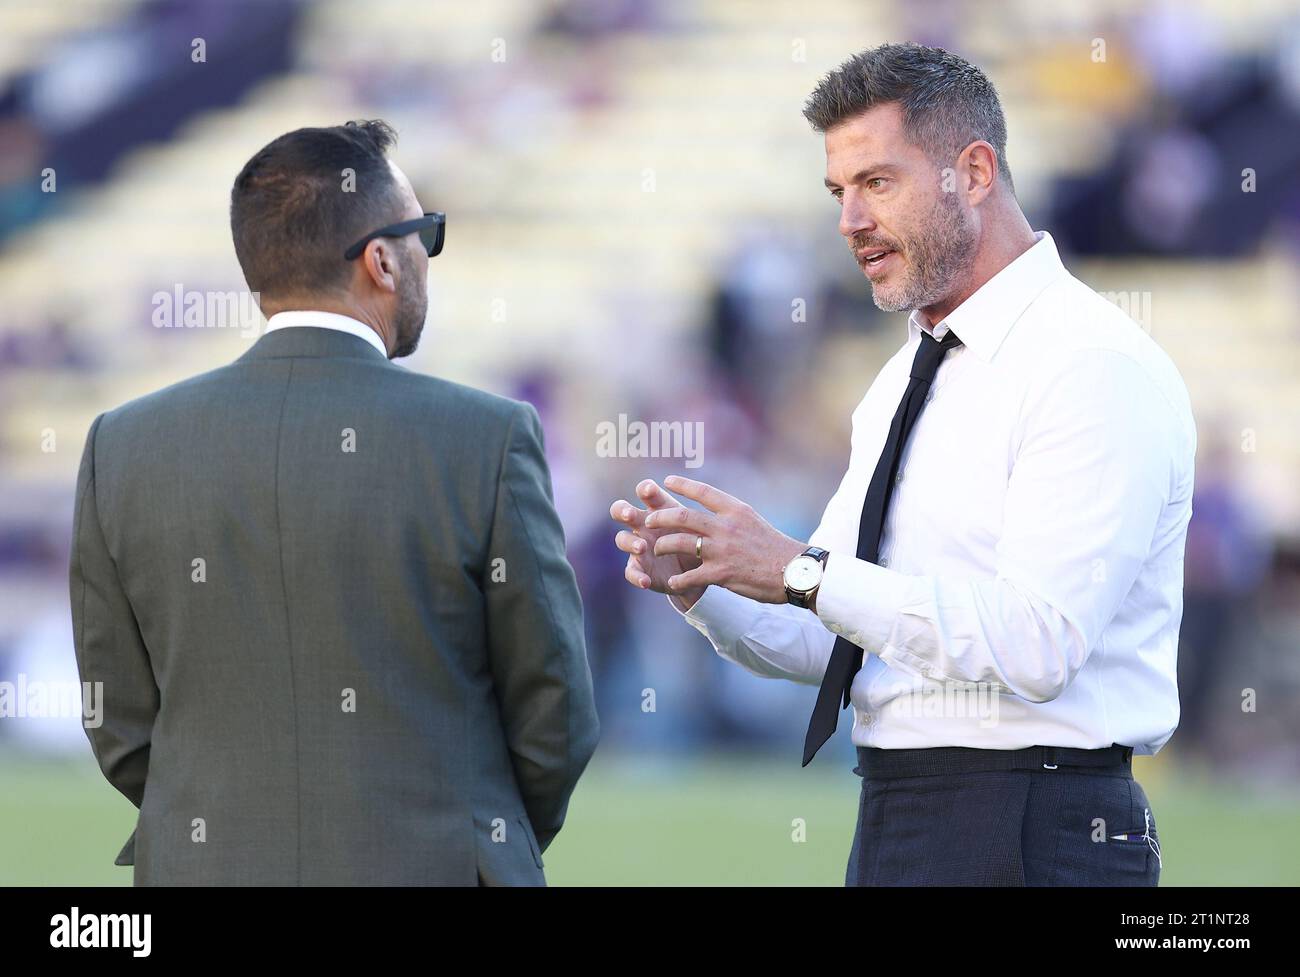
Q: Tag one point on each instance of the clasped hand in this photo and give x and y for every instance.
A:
(737, 548)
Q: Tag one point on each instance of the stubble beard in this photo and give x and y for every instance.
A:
(935, 261)
(413, 305)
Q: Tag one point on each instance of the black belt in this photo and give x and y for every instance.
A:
(878, 764)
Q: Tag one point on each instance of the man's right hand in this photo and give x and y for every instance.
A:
(645, 570)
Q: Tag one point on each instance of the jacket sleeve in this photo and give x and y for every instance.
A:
(536, 649)
(111, 656)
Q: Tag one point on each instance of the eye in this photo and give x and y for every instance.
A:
(837, 193)
(875, 183)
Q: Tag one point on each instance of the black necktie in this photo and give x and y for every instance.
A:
(846, 657)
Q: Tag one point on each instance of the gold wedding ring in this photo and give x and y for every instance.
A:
(699, 545)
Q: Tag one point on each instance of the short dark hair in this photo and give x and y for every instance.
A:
(304, 198)
(947, 102)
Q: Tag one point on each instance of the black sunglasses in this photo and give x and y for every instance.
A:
(432, 228)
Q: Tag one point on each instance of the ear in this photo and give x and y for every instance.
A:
(380, 264)
(980, 163)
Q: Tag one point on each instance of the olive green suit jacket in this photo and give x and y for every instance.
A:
(338, 639)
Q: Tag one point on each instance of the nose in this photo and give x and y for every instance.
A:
(855, 214)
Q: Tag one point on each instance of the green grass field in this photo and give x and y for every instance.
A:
(718, 821)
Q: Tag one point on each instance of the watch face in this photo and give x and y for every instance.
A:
(803, 574)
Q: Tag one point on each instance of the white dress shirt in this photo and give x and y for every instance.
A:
(1029, 589)
(326, 320)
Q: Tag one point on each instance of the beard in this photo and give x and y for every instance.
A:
(412, 306)
(933, 261)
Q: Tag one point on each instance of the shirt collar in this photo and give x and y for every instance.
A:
(328, 320)
(984, 319)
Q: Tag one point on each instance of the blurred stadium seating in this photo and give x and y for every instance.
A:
(633, 203)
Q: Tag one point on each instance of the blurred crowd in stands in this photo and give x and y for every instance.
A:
(772, 380)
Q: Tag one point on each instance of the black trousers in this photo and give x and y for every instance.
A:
(1043, 816)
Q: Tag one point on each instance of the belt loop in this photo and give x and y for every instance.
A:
(1049, 758)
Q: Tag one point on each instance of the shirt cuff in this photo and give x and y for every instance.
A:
(861, 601)
(721, 616)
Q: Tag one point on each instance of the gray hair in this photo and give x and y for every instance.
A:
(947, 102)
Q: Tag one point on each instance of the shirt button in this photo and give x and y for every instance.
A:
(884, 561)
(927, 671)
(898, 479)
(929, 397)
(868, 720)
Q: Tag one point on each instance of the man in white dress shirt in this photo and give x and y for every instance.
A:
(996, 586)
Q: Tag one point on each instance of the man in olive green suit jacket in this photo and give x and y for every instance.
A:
(326, 596)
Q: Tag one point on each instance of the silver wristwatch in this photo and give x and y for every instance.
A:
(803, 575)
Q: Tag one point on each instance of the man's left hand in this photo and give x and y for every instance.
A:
(741, 550)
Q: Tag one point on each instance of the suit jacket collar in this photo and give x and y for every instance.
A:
(313, 342)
